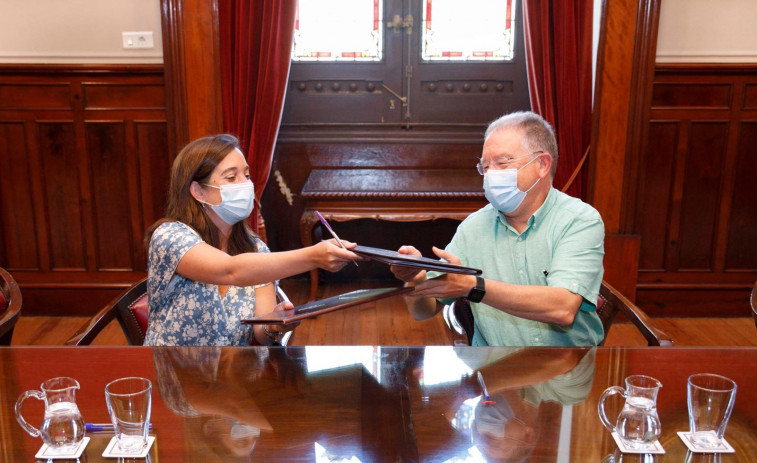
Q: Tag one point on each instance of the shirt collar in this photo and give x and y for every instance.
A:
(537, 216)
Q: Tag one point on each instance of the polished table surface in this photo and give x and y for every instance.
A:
(379, 404)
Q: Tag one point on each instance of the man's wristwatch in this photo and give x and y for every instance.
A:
(478, 292)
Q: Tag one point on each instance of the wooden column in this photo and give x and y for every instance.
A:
(625, 71)
(191, 53)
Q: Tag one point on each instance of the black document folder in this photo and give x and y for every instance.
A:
(395, 258)
(330, 304)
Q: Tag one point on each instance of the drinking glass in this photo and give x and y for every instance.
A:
(129, 404)
(710, 400)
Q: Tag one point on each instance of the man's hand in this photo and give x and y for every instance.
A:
(408, 274)
(449, 285)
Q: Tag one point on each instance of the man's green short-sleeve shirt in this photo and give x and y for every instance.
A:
(562, 246)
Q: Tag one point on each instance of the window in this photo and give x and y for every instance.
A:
(339, 30)
(405, 63)
(474, 30)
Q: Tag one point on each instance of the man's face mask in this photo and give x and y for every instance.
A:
(501, 188)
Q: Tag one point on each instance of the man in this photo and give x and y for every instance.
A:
(540, 250)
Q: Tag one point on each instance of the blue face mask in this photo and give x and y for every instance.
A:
(501, 188)
(237, 201)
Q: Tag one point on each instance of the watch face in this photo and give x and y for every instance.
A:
(477, 293)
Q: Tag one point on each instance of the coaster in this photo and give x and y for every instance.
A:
(655, 447)
(112, 450)
(723, 447)
(47, 452)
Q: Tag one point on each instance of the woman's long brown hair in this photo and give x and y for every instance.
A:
(195, 163)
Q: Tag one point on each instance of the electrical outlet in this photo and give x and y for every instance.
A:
(138, 39)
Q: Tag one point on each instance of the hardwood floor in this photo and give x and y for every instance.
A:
(387, 322)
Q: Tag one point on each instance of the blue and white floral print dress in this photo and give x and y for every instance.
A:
(184, 312)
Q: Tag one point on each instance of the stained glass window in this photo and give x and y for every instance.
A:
(339, 30)
(473, 30)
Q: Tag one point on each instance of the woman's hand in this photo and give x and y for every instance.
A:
(276, 332)
(328, 255)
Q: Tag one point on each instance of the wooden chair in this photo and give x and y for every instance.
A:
(131, 311)
(611, 302)
(753, 303)
(459, 316)
(10, 306)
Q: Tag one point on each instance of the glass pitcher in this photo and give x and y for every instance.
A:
(638, 425)
(62, 426)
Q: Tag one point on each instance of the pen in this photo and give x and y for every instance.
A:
(487, 399)
(101, 427)
(333, 233)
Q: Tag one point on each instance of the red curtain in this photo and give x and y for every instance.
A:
(558, 58)
(256, 46)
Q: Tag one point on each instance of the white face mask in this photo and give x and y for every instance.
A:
(501, 188)
(237, 201)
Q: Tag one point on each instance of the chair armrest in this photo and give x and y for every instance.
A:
(654, 336)
(89, 331)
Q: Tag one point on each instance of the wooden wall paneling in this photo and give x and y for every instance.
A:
(61, 177)
(712, 188)
(110, 184)
(700, 202)
(154, 171)
(17, 208)
(742, 222)
(673, 220)
(652, 202)
(38, 198)
(73, 232)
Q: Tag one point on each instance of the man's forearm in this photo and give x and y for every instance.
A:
(540, 303)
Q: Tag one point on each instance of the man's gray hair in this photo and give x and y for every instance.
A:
(537, 133)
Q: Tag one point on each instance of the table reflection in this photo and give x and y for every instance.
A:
(328, 404)
(529, 389)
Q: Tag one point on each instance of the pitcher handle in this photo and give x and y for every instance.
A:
(612, 390)
(34, 432)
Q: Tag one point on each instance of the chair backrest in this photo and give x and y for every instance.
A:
(10, 306)
(610, 302)
(131, 311)
(753, 303)
(613, 302)
(459, 319)
(129, 308)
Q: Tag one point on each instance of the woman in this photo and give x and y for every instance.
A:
(207, 270)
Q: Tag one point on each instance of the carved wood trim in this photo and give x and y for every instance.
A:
(191, 53)
(642, 81)
(173, 59)
(625, 72)
(64, 69)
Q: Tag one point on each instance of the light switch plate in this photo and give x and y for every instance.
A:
(138, 39)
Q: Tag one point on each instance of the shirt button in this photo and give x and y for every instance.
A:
(520, 271)
(520, 239)
(536, 339)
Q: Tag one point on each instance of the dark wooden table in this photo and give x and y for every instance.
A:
(377, 404)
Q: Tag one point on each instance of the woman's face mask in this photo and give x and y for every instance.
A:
(501, 188)
(237, 201)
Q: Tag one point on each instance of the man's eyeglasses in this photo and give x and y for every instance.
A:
(502, 162)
